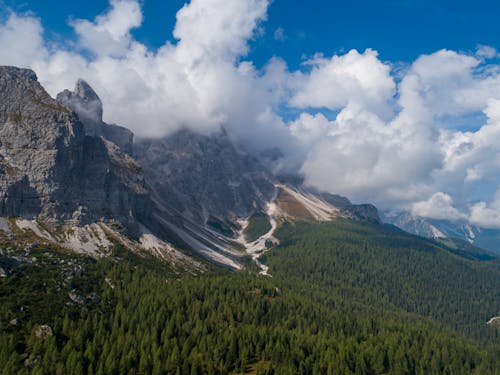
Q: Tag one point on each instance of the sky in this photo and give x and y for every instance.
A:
(392, 102)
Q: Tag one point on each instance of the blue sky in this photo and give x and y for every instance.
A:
(400, 30)
(395, 103)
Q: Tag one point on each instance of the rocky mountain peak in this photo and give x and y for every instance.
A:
(50, 169)
(88, 99)
(18, 73)
(85, 92)
(85, 102)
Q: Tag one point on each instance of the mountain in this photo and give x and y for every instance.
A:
(51, 170)
(88, 106)
(86, 185)
(433, 228)
(299, 202)
(210, 194)
(61, 184)
(117, 256)
(205, 176)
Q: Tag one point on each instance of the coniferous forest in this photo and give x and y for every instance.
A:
(344, 298)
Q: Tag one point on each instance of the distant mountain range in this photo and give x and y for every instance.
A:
(488, 239)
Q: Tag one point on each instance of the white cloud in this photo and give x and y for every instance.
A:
(199, 82)
(408, 161)
(109, 34)
(367, 159)
(439, 206)
(486, 52)
(473, 157)
(336, 82)
(485, 216)
(387, 135)
(311, 129)
(217, 29)
(21, 40)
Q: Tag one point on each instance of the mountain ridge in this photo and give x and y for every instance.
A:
(189, 191)
(442, 229)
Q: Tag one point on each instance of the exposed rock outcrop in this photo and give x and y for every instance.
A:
(88, 106)
(362, 212)
(308, 204)
(50, 169)
(43, 331)
(203, 176)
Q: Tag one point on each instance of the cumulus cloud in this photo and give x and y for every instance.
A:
(353, 78)
(217, 29)
(200, 82)
(367, 159)
(486, 52)
(448, 83)
(364, 128)
(21, 40)
(410, 160)
(439, 206)
(109, 34)
(485, 216)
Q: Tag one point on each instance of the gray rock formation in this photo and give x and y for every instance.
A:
(203, 176)
(50, 169)
(43, 331)
(336, 200)
(88, 106)
(76, 298)
(361, 212)
(414, 224)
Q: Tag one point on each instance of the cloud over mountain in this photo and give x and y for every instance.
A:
(425, 137)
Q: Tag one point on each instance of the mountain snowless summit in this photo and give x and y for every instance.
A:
(52, 170)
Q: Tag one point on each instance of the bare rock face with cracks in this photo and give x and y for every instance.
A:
(51, 169)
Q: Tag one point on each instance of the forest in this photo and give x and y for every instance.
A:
(343, 298)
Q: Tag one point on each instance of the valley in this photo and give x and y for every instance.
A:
(344, 297)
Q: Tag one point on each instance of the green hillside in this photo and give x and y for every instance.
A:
(344, 298)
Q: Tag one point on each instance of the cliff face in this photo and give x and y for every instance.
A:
(49, 167)
(202, 176)
(88, 106)
(60, 163)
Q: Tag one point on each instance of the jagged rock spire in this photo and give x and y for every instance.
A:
(88, 97)
(85, 102)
